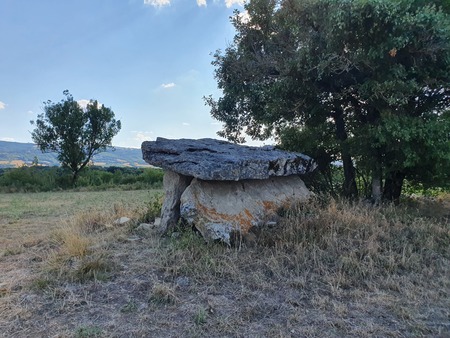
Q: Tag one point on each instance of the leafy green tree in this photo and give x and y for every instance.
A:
(362, 81)
(74, 133)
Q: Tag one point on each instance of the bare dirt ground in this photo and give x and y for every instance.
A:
(334, 270)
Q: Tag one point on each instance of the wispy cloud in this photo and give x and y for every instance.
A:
(168, 85)
(201, 3)
(7, 139)
(2, 105)
(230, 3)
(157, 3)
(186, 124)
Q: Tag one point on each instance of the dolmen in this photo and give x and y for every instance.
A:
(224, 189)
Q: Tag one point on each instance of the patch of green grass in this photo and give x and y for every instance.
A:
(88, 332)
(12, 251)
(96, 267)
(65, 203)
(129, 307)
(41, 283)
(200, 317)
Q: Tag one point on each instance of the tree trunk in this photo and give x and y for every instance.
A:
(393, 186)
(376, 189)
(377, 174)
(74, 178)
(350, 189)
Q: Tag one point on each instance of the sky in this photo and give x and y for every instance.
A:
(148, 60)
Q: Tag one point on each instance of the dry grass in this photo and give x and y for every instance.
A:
(330, 269)
(163, 293)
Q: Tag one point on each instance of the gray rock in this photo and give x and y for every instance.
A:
(122, 221)
(210, 159)
(157, 221)
(183, 281)
(145, 227)
(133, 238)
(142, 307)
(174, 185)
(176, 235)
(220, 208)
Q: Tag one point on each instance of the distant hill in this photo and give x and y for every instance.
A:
(15, 154)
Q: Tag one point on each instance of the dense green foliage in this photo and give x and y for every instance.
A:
(361, 82)
(35, 179)
(76, 134)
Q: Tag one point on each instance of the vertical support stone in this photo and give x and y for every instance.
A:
(174, 186)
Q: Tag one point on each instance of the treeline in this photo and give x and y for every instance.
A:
(37, 178)
(330, 182)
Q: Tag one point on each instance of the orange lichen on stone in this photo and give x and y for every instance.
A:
(248, 213)
(269, 206)
(220, 209)
(241, 221)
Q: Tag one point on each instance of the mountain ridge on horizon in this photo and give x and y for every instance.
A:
(16, 154)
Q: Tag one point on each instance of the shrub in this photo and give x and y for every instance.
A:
(35, 178)
(154, 208)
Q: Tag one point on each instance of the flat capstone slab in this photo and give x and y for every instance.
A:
(216, 160)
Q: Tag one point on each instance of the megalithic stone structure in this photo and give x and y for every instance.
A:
(223, 188)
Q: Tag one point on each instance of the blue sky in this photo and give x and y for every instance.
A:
(148, 60)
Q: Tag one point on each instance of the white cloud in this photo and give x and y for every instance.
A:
(201, 3)
(2, 105)
(168, 85)
(244, 17)
(83, 103)
(230, 3)
(7, 139)
(157, 3)
(142, 136)
(30, 112)
(186, 124)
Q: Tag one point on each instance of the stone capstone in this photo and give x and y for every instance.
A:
(219, 209)
(210, 159)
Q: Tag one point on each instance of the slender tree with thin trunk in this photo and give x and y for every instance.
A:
(76, 134)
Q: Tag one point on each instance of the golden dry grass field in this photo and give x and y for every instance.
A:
(329, 269)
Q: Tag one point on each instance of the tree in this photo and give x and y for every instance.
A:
(74, 133)
(363, 81)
